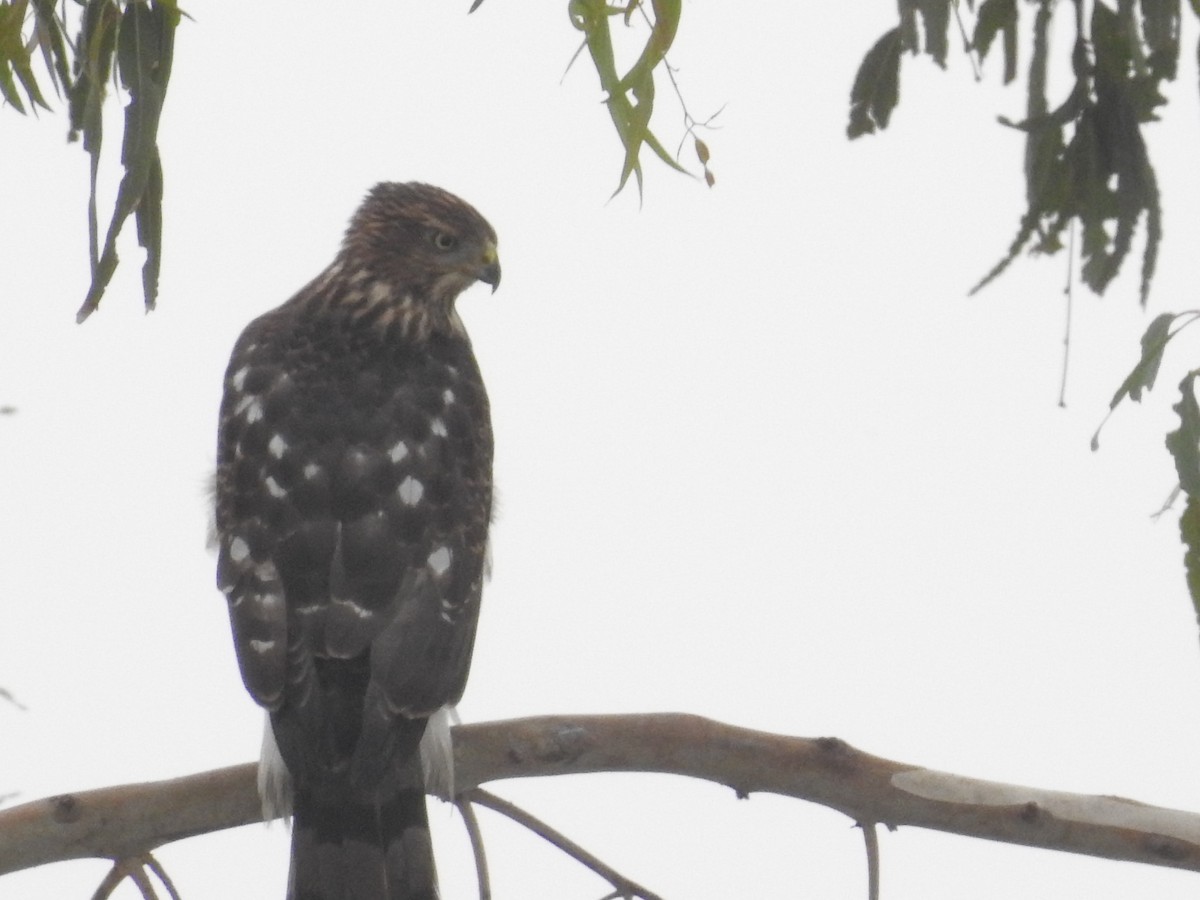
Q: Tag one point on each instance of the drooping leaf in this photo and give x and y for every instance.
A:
(1184, 442)
(1189, 533)
(662, 35)
(1122, 104)
(1142, 376)
(1154, 342)
(995, 17)
(1036, 104)
(15, 58)
(1184, 445)
(53, 44)
(1160, 27)
(935, 28)
(630, 99)
(935, 16)
(95, 53)
(145, 46)
(10, 44)
(635, 127)
(1101, 178)
(876, 89)
(910, 36)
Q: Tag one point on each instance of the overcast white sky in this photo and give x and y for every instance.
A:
(759, 457)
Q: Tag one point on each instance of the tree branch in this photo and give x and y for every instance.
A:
(622, 886)
(123, 821)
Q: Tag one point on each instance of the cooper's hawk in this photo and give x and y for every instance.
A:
(354, 491)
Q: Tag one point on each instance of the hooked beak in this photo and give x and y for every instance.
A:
(489, 271)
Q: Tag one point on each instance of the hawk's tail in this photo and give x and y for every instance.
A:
(358, 851)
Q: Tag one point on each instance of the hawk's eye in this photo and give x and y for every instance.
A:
(443, 240)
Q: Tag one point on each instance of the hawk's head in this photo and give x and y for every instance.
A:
(418, 248)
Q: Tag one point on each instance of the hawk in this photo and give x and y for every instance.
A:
(353, 498)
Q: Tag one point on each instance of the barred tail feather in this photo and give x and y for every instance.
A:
(357, 851)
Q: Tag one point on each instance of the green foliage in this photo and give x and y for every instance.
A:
(137, 37)
(1189, 533)
(998, 17)
(1184, 444)
(629, 97)
(1086, 161)
(935, 15)
(15, 58)
(876, 88)
(144, 39)
(1142, 376)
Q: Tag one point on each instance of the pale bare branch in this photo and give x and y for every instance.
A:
(118, 822)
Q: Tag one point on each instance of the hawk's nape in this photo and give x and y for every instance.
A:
(354, 493)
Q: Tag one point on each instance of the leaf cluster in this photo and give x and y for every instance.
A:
(1086, 160)
(128, 45)
(1086, 163)
(629, 97)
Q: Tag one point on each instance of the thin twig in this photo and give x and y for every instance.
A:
(871, 838)
(139, 877)
(134, 868)
(622, 886)
(690, 123)
(156, 867)
(1069, 290)
(476, 836)
(114, 877)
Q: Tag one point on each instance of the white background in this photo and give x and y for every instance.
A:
(759, 457)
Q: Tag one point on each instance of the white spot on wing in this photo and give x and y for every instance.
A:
(255, 412)
(398, 452)
(238, 550)
(265, 572)
(360, 611)
(439, 560)
(239, 378)
(278, 446)
(410, 491)
(262, 646)
(447, 396)
(274, 487)
(312, 470)
(438, 427)
(244, 403)
(381, 292)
